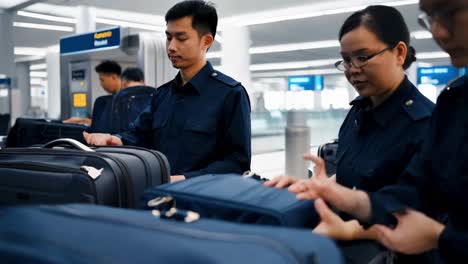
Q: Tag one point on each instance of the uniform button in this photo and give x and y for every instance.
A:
(214, 74)
(409, 102)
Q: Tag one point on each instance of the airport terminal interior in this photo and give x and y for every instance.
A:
(282, 52)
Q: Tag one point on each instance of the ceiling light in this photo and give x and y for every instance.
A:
(292, 65)
(38, 74)
(47, 17)
(41, 66)
(43, 26)
(130, 24)
(423, 34)
(296, 73)
(28, 51)
(432, 55)
(300, 12)
(295, 46)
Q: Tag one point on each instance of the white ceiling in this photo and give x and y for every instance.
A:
(284, 32)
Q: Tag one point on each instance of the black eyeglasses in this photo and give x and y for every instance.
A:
(444, 17)
(358, 61)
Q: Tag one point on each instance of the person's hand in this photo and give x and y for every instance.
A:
(310, 189)
(320, 170)
(78, 120)
(415, 233)
(176, 178)
(281, 182)
(331, 225)
(99, 139)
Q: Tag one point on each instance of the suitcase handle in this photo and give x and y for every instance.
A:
(68, 142)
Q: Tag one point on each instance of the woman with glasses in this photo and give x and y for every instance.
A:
(437, 178)
(385, 126)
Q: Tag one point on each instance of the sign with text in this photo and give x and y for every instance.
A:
(438, 75)
(99, 40)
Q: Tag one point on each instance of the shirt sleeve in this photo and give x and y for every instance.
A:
(453, 245)
(236, 153)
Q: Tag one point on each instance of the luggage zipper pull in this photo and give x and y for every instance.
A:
(173, 213)
(91, 171)
(159, 201)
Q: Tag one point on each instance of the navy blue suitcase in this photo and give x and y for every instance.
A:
(234, 198)
(114, 176)
(96, 234)
(128, 104)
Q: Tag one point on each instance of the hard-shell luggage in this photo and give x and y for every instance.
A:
(114, 176)
(234, 198)
(28, 132)
(98, 234)
(327, 152)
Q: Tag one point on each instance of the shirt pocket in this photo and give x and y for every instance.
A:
(200, 135)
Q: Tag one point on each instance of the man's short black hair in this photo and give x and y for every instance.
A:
(204, 16)
(109, 67)
(133, 74)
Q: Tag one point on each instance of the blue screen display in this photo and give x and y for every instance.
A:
(305, 83)
(439, 75)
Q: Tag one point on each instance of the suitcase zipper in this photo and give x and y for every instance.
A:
(203, 234)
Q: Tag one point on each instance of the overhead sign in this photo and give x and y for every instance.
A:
(99, 40)
(305, 83)
(438, 75)
(5, 82)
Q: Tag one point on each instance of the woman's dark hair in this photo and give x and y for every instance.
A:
(204, 16)
(386, 23)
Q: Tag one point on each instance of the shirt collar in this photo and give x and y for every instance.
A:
(383, 113)
(198, 82)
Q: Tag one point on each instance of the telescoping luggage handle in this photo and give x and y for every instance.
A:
(68, 142)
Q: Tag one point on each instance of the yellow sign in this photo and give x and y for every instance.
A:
(79, 100)
(105, 34)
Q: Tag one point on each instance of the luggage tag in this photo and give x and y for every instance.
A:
(91, 171)
(176, 214)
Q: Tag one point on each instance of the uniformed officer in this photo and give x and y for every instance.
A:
(388, 120)
(201, 119)
(437, 178)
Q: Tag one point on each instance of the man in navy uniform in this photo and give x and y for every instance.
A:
(201, 119)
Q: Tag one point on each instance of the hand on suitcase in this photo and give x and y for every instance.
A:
(287, 181)
(99, 139)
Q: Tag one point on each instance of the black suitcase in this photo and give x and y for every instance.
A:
(28, 132)
(327, 152)
(114, 176)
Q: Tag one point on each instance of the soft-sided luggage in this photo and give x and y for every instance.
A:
(28, 132)
(114, 176)
(128, 104)
(97, 234)
(234, 198)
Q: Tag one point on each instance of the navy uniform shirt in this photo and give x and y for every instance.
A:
(203, 127)
(376, 144)
(102, 114)
(436, 180)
